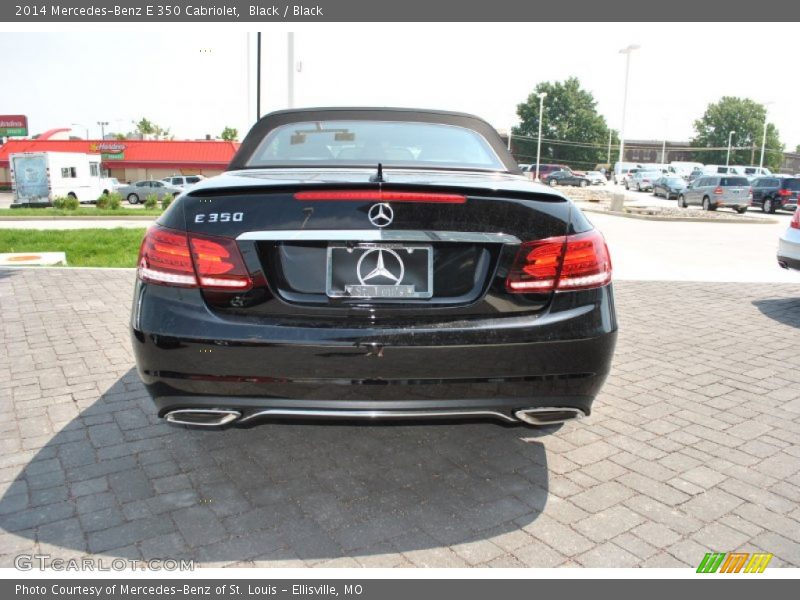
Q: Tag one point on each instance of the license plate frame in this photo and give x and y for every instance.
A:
(418, 286)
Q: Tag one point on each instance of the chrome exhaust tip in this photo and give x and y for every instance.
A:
(548, 415)
(202, 417)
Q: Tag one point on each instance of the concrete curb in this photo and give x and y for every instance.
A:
(742, 221)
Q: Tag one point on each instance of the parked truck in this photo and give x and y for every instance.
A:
(38, 177)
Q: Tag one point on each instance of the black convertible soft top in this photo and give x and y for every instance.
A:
(282, 117)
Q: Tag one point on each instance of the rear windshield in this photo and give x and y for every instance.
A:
(675, 181)
(368, 143)
(791, 184)
(734, 181)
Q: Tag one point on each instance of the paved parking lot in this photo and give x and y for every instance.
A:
(694, 446)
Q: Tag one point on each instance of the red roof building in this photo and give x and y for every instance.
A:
(134, 160)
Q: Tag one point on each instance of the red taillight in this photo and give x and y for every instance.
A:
(795, 222)
(381, 196)
(169, 257)
(164, 258)
(718, 190)
(784, 192)
(571, 262)
(219, 263)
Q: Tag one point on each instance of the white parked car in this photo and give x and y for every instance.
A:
(789, 244)
(183, 182)
(596, 177)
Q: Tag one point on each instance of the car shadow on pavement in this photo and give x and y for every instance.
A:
(116, 481)
(6, 273)
(783, 310)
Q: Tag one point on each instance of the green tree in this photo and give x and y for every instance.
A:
(230, 134)
(146, 127)
(745, 117)
(797, 149)
(570, 118)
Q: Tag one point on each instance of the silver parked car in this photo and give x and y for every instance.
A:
(716, 191)
(136, 192)
(642, 181)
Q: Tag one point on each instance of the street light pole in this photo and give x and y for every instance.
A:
(764, 136)
(627, 52)
(730, 140)
(542, 96)
(608, 156)
(102, 125)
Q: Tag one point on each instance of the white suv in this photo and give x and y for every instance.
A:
(183, 181)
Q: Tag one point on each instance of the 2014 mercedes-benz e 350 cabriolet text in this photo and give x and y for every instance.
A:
(372, 263)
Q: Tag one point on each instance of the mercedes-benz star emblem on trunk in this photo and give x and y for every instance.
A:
(381, 214)
(394, 274)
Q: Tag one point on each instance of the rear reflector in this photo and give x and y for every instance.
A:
(381, 196)
(169, 257)
(561, 263)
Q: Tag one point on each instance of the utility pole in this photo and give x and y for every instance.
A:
(103, 125)
(627, 52)
(542, 96)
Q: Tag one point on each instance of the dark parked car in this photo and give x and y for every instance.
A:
(372, 263)
(545, 169)
(717, 191)
(669, 186)
(566, 178)
(773, 193)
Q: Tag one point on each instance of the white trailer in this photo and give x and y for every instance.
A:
(38, 177)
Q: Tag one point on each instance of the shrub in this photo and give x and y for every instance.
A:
(71, 203)
(114, 200)
(102, 201)
(151, 201)
(166, 201)
(58, 202)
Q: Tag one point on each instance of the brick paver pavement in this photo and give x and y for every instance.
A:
(694, 446)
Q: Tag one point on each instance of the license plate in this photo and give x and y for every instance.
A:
(380, 271)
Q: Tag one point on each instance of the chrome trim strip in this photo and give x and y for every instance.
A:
(377, 235)
(224, 416)
(375, 414)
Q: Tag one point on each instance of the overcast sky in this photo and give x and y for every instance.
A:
(197, 83)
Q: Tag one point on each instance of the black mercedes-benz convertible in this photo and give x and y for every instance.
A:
(372, 263)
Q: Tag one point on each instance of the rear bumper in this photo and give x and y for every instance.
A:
(789, 249)
(735, 203)
(189, 357)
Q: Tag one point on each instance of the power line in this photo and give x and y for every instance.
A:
(604, 146)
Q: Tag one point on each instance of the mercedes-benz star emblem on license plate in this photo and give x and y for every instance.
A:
(381, 214)
(394, 272)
